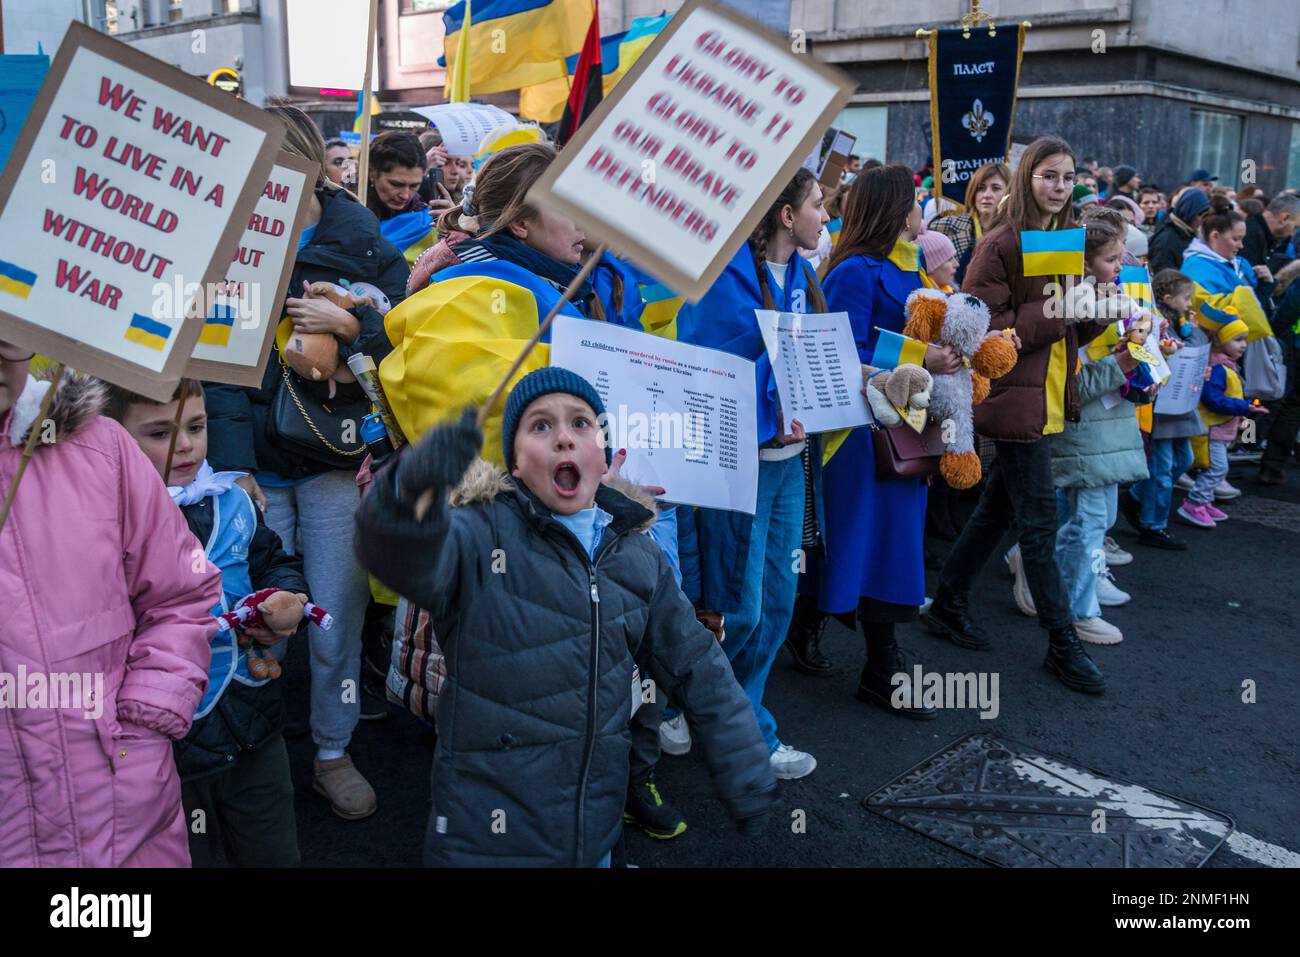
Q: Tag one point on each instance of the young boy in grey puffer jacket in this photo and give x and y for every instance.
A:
(550, 607)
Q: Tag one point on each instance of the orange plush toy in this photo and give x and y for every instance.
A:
(315, 355)
(962, 323)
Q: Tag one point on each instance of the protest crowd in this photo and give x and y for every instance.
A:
(560, 628)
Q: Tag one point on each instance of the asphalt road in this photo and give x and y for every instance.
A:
(1172, 719)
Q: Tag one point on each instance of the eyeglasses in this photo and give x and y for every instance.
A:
(1052, 179)
(15, 353)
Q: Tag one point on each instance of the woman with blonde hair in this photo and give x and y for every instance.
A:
(987, 186)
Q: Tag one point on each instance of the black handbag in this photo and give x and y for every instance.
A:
(316, 428)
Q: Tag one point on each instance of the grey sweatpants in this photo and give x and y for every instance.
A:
(314, 519)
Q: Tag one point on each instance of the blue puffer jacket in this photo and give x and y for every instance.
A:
(543, 646)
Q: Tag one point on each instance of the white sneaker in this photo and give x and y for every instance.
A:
(789, 764)
(674, 736)
(1020, 588)
(1110, 594)
(1116, 556)
(1223, 492)
(1185, 482)
(1097, 631)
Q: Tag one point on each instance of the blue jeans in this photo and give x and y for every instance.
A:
(757, 630)
(315, 519)
(1084, 516)
(1170, 458)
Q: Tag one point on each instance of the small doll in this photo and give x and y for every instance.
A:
(276, 610)
(1138, 383)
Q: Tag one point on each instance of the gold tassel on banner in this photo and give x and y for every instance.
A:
(972, 19)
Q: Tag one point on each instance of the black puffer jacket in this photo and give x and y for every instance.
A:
(346, 245)
(531, 766)
(244, 718)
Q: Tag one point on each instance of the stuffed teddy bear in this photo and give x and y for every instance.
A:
(962, 323)
(276, 610)
(905, 388)
(315, 355)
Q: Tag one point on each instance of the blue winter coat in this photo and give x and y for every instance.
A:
(874, 528)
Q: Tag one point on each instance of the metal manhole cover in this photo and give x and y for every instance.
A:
(1014, 806)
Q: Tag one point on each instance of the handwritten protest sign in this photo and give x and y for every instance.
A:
(685, 414)
(128, 176)
(239, 326)
(818, 373)
(678, 164)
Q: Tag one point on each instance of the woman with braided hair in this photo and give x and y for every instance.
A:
(746, 563)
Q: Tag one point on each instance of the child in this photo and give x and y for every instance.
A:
(940, 257)
(233, 763)
(1222, 408)
(1146, 504)
(1091, 457)
(546, 601)
(98, 579)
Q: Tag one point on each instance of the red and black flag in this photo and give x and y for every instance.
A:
(588, 81)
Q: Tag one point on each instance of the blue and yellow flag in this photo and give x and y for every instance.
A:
(148, 332)
(544, 102)
(454, 340)
(515, 43)
(16, 280)
(411, 232)
(374, 110)
(217, 326)
(1051, 252)
(894, 349)
(1136, 283)
(1224, 290)
(834, 227)
(457, 88)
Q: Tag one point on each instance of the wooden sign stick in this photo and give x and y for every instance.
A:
(30, 445)
(363, 156)
(569, 290)
(176, 430)
(422, 504)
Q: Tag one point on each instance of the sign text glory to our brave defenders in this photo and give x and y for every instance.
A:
(698, 138)
(127, 183)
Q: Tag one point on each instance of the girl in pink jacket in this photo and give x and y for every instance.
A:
(103, 641)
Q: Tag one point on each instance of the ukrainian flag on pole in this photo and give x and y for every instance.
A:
(374, 110)
(514, 43)
(457, 89)
(893, 349)
(1136, 283)
(1051, 252)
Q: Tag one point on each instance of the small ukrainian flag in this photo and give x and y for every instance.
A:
(148, 332)
(216, 328)
(16, 280)
(1051, 252)
(659, 316)
(893, 350)
(834, 227)
(1136, 283)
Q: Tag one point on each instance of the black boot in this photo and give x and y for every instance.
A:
(1068, 661)
(949, 616)
(805, 636)
(884, 660)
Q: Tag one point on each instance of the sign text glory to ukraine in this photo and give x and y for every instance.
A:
(677, 166)
(128, 172)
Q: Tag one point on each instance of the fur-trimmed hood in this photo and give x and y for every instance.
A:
(78, 399)
(483, 482)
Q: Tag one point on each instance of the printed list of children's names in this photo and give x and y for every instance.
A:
(817, 370)
(684, 413)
